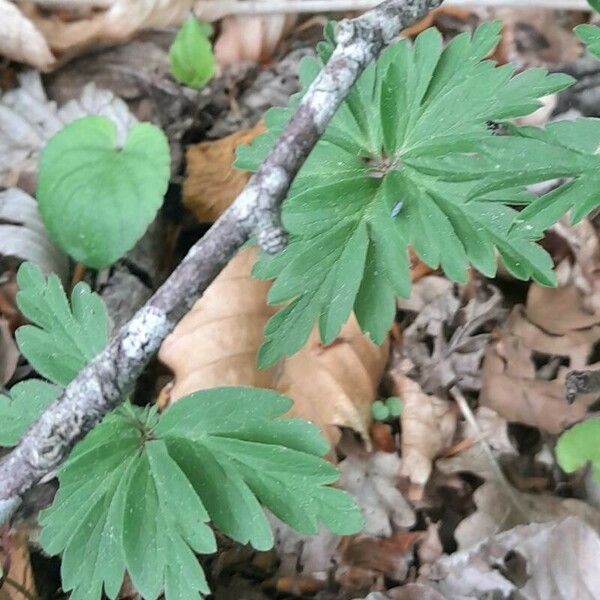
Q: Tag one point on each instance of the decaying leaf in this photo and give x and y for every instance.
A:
(500, 508)
(28, 119)
(428, 426)
(251, 37)
(579, 269)
(556, 560)
(21, 40)
(524, 371)
(536, 37)
(15, 555)
(493, 429)
(212, 182)
(446, 341)
(23, 235)
(9, 353)
(216, 344)
(82, 25)
(372, 478)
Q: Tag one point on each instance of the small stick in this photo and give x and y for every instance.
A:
(511, 494)
(213, 10)
(582, 382)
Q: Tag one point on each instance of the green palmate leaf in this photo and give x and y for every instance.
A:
(595, 4)
(138, 492)
(384, 177)
(562, 149)
(590, 36)
(191, 55)
(62, 338)
(95, 198)
(25, 404)
(580, 445)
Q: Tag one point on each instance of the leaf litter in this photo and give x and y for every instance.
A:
(440, 522)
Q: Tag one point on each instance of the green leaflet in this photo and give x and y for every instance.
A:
(137, 493)
(20, 410)
(97, 198)
(579, 445)
(191, 56)
(401, 165)
(590, 36)
(61, 340)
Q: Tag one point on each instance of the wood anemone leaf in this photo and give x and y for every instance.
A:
(136, 494)
(376, 184)
(97, 199)
(60, 340)
(590, 36)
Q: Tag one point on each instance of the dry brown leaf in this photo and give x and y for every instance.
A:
(428, 426)
(549, 561)
(87, 25)
(518, 389)
(9, 353)
(494, 430)
(251, 37)
(372, 478)
(500, 508)
(28, 119)
(16, 554)
(216, 344)
(21, 40)
(581, 265)
(535, 37)
(23, 235)
(445, 343)
(211, 181)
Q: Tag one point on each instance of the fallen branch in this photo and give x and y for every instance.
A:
(213, 10)
(103, 384)
(582, 382)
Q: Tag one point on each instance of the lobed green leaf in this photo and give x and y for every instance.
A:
(407, 161)
(137, 493)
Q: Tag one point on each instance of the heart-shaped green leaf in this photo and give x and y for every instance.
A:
(95, 198)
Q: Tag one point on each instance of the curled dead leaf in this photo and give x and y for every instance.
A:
(23, 235)
(217, 341)
(524, 371)
(28, 119)
(86, 24)
(428, 426)
(21, 40)
(253, 37)
(211, 181)
(373, 480)
(493, 429)
(556, 560)
(9, 353)
(501, 507)
(445, 343)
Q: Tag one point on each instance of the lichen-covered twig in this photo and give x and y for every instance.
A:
(213, 10)
(582, 382)
(112, 374)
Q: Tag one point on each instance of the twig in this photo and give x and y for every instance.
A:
(467, 413)
(213, 10)
(111, 375)
(582, 382)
